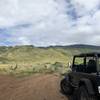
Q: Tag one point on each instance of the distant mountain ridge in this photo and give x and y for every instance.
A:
(67, 46)
(84, 46)
(78, 46)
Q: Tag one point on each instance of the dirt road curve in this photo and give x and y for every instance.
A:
(36, 87)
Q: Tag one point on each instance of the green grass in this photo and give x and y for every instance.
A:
(27, 69)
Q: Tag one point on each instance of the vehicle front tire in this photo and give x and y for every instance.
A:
(82, 94)
(65, 87)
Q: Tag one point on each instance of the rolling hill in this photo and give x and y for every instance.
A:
(31, 54)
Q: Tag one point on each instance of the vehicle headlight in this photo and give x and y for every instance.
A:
(99, 89)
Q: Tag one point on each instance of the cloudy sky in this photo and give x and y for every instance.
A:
(49, 22)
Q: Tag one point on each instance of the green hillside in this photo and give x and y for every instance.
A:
(23, 59)
(31, 54)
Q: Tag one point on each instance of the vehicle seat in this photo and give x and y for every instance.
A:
(91, 67)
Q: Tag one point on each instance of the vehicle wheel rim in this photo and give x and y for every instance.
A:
(65, 87)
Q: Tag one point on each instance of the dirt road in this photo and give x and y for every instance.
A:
(35, 87)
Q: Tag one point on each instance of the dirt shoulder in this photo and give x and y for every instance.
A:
(35, 87)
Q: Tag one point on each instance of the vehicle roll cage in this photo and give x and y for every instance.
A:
(85, 55)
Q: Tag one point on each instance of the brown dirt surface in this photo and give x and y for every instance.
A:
(35, 87)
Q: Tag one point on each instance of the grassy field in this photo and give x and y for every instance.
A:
(26, 60)
(28, 69)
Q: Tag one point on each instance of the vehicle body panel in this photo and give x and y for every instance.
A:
(91, 80)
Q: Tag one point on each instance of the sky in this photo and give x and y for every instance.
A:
(49, 22)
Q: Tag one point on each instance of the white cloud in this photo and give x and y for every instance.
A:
(50, 22)
(23, 40)
(83, 7)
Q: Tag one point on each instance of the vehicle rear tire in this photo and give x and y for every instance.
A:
(65, 87)
(82, 94)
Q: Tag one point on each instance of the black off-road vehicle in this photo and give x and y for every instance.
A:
(84, 79)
